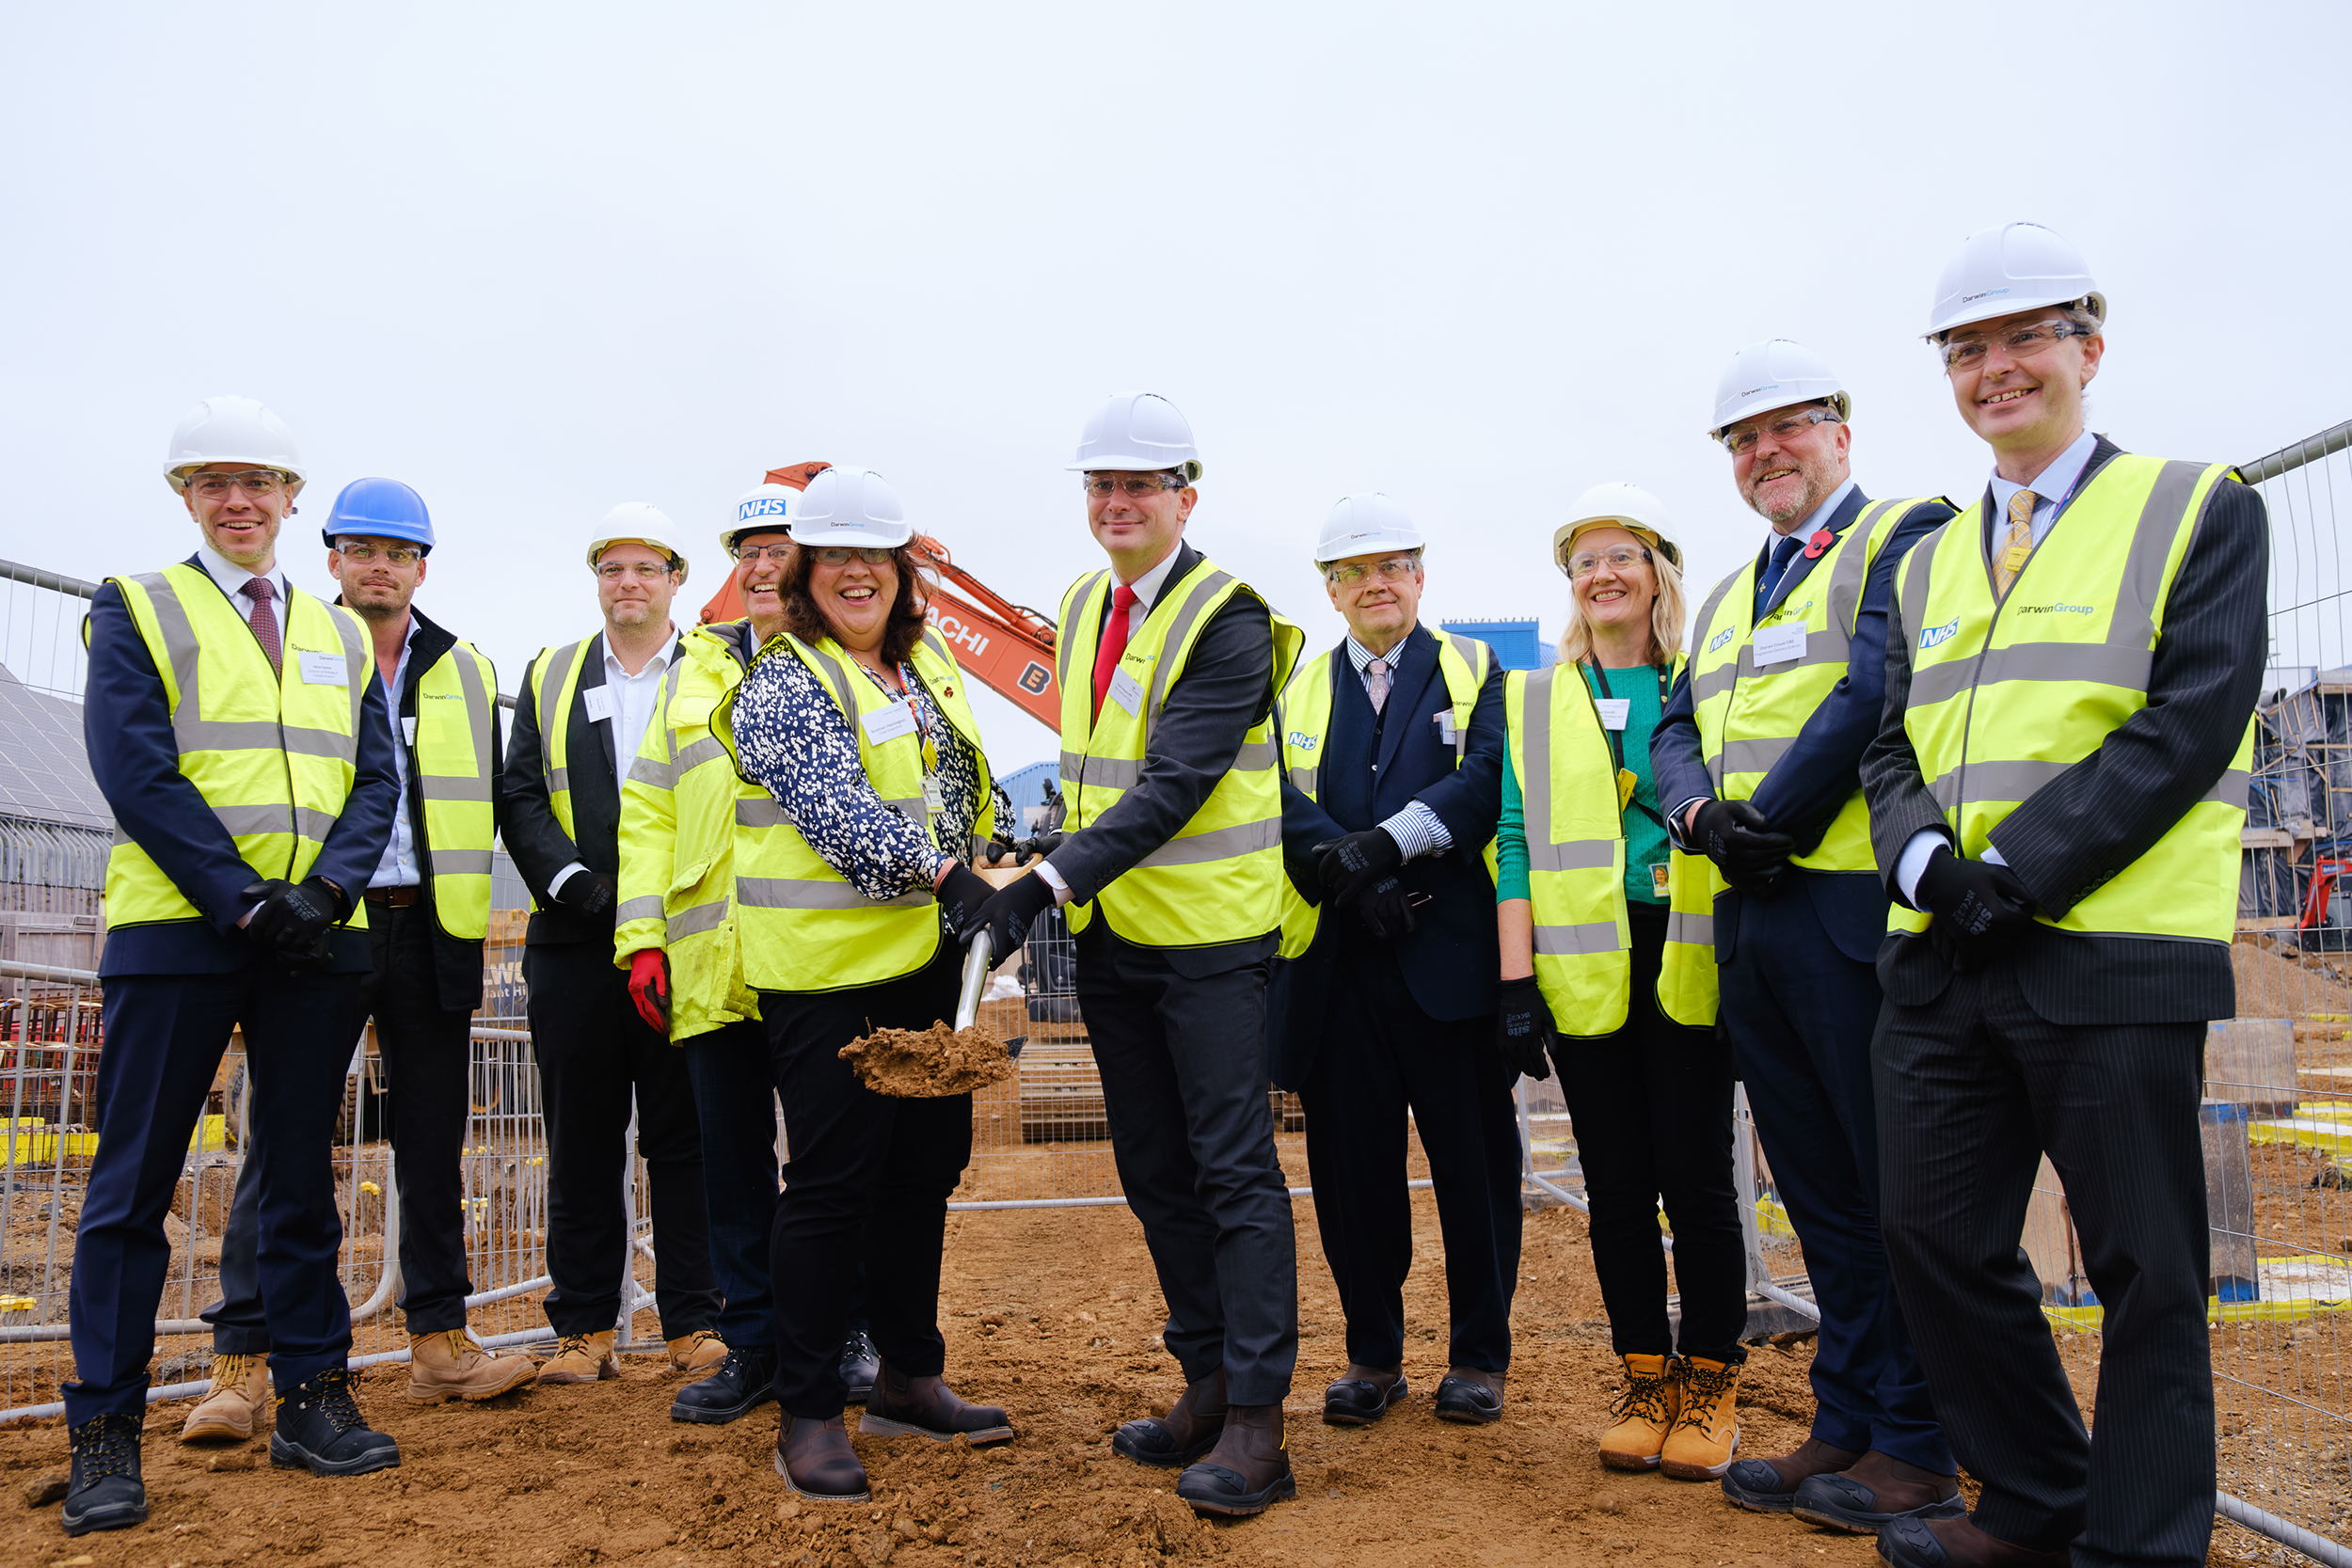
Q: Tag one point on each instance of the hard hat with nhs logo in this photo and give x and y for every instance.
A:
(761, 509)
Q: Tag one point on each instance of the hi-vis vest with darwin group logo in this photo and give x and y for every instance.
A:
(2007, 695)
(274, 753)
(1219, 878)
(1302, 719)
(682, 815)
(803, 925)
(1750, 713)
(451, 759)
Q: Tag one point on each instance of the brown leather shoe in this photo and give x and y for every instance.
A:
(1958, 1543)
(927, 1407)
(449, 1366)
(1249, 1470)
(583, 1359)
(697, 1355)
(816, 1462)
(235, 1405)
(1770, 1485)
(1877, 1491)
(1189, 1430)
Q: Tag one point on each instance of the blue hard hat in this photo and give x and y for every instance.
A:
(381, 509)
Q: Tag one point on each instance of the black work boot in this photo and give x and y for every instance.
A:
(860, 1365)
(816, 1462)
(320, 1429)
(1249, 1471)
(745, 1381)
(902, 1404)
(1189, 1430)
(105, 1491)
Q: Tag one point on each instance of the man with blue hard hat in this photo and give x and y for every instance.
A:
(224, 717)
(428, 902)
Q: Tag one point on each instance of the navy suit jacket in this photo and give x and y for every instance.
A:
(1452, 959)
(1809, 785)
(126, 726)
(535, 840)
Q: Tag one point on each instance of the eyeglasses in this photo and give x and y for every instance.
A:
(1621, 558)
(1387, 571)
(256, 483)
(643, 571)
(838, 555)
(363, 552)
(1740, 440)
(778, 553)
(1136, 485)
(2022, 342)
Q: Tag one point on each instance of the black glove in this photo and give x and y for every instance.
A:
(1349, 866)
(1738, 838)
(1006, 914)
(293, 921)
(1524, 1031)
(587, 892)
(1981, 908)
(961, 894)
(1387, 909)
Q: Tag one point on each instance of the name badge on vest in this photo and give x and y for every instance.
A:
(1126, 692)
(598, 701)
(1613, 712)
(409, 728)
(887, 723)
(1779, 645)
(1446, 730)
(934, 797)
(324, 669)
(1657, 881)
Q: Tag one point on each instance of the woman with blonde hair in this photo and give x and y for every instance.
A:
(1587, 888)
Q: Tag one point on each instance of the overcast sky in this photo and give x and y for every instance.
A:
(537, 260)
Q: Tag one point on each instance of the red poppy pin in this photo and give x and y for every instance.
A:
(1823, 539)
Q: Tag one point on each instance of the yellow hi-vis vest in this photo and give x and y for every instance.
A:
(1750, 715)
(451, 760)
(1220, 880)
(805, 927)
(1302, 718)
(680, 806)
(2007, 695)
(273, 754)
(554, 676)
(1567, 780)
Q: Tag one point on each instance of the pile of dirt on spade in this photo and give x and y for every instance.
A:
(908, 1063)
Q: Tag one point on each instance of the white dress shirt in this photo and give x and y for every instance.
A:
(2053, 487)
(399, 868)
(1418, 830)
(232, 578)
(633, 700)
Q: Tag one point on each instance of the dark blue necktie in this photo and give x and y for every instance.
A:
(1783, 553)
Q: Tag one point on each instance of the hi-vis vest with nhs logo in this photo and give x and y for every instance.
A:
(1303, 721)
(273, 753)
(1219, 878)
(1749, 713)
(2005, 695)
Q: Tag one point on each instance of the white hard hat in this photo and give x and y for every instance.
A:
(640, 522)
(1615, 504)
(1364, 525)
(2007, 268)
(1771, 374)
(232, 429)
(1136, 432)
(761, 509)
(851, 506)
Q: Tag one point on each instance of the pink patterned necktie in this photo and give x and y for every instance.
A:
(260, 591)
(1377, 683)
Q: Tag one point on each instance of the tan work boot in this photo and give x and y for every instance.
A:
(583, 1359)
(449, 1366)
(698, 1353)
(1645, 1412)
(231, 1410)
(1706, 1434)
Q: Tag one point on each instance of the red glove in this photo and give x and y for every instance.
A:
(649, 988)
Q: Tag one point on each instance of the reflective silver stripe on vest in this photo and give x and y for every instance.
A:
(460, 862)
(1543, 853)
(1255, 757)
(472, 788)
(758, 812)
(2100, 664)
(652, 772)
(1754, 757)
(1715, 682)
(1195, 604)
(1853, 567)
(1576, 941)
(705, 750)
(830, 672)
(694, 921)
(553, 676)
(1108, 773)
(637, 909)
(2017, 780)
(193, 732)
(1218, 844)
(1308, 780)
(1696, 929)
(242, 820)
(796, 893)
(1068, 643)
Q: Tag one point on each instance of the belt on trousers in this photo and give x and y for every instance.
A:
(397, 897)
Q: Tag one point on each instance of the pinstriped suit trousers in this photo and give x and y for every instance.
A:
(1972, 1091)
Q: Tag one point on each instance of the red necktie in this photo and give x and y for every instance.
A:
(1114, 645)
(265, 620)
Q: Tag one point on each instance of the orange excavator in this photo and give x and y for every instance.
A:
(1007, 646)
